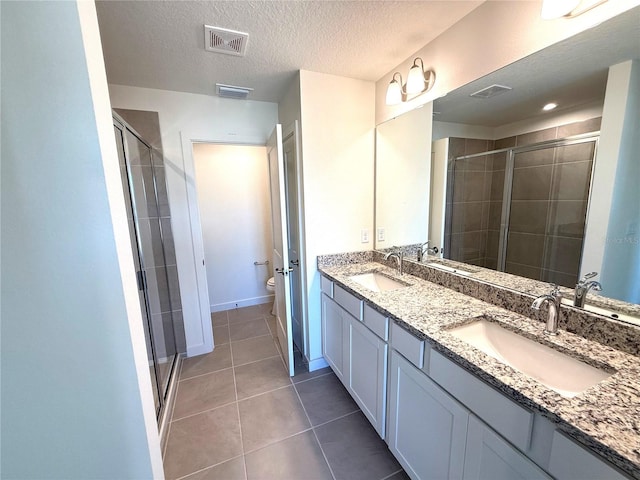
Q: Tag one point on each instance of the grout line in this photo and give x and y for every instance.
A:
(337, 418)
(313, 378)
(203, 374)
(235, 389)
(273, 442)
(394, 473)
(251, 338)
(264, 393)
(203, 411)
(256, 361)
(207, 468)
(313, 429)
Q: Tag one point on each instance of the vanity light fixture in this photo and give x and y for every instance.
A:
(549, 106)
(552, 9)
(418, 81)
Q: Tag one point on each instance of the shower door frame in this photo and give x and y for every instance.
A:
(508, 180)
(162, 388)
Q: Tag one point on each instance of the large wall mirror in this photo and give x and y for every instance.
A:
(504, 185)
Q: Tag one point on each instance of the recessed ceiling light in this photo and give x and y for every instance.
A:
(549, 106)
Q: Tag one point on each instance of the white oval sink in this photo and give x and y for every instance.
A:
(562, 373)
(377, 282)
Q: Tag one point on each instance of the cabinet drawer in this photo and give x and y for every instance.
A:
(377, 323)
(509, 419)
(570, 461)
(410, 346)
(347, 301)
(326, 286)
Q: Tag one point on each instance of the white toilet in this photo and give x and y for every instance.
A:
(271, 287)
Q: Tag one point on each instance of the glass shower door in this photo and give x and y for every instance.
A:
(145, 193)
(142, 292)
(546, 215)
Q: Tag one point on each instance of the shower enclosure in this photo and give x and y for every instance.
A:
(521, 210)
(145, 193)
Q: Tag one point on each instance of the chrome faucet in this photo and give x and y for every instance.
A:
(399, 256)
(428, 251)
(553, 299)
(582, 288)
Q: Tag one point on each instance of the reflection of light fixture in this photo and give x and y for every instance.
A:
(549, 106)
(418, 81)
(566, 8)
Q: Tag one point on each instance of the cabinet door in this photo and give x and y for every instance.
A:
(427, 427)
(570, 461)
(367, 366)
(333, 345)
(490, 456)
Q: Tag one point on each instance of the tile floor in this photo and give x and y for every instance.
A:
(238, 415)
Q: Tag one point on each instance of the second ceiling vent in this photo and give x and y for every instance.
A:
(223, 40)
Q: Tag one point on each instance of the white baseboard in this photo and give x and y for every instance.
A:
(317, 364)
(247, 302)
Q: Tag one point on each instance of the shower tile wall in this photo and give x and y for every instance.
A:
(548, 209)
(470, 201)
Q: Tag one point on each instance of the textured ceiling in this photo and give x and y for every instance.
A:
(160, 44)
(571, 73)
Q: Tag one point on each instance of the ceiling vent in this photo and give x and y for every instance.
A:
(231, 91)
(491, 91)
(222, 40)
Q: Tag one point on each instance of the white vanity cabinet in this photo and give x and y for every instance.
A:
(356, 354)
(570, 461)
(489, 456)
(334, 332)
(427, 427)
(367, 377)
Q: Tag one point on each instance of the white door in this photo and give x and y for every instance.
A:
(280, 246)
(290, 165)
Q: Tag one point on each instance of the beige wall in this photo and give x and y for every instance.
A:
(338, 148)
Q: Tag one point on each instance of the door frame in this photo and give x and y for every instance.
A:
(200, 338)
(288, 131)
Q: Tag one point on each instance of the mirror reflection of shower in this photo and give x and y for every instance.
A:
(519, 205)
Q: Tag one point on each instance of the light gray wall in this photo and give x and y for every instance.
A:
(621, 265)
(72, 402)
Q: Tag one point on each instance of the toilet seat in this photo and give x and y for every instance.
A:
(271, 284)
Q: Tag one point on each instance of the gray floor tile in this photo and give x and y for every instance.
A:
(260, 377)
(271, 417)
(219, 359)
(221, 335)
(253, 349)
(204, 392)
(354, 450)
(229, 470)
(202, 440)
(245, 313)
(265, 308)
(248, 329)
(219, 318)
(401, 475)
(325, 398)
(306, 375)
(271, 321)
(297, 457)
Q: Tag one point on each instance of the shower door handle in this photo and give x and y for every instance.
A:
(295, 263)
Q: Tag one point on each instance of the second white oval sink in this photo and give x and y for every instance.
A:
(562, 373)
(377, 282)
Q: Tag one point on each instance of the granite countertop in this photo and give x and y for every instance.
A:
(605, 418)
